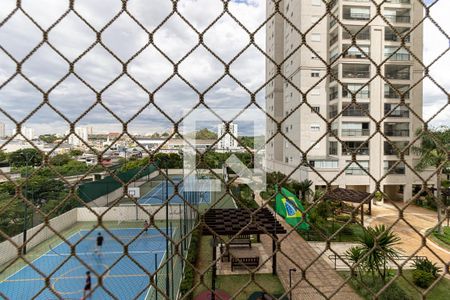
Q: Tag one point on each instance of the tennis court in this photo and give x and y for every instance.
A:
(159, 194)
(124, 279)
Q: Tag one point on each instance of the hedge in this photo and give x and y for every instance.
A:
(189, 271)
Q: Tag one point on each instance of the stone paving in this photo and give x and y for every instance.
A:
(318, 281)
(420, 219)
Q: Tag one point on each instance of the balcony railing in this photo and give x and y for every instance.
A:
(333, 95)
(360, 95)
(332, 113)
(397, 170)
(362, 151)
(397, 113)
(355, 132)
(356, 171)
(393, 37)
(394, 95)
(356, 74)
(357, 55)
(398, 75)
(398, 56)
(359, 36)
(398, 1)
(396, 132)
(398, 19)
(356, 16)
(354, 113)
(390, 150)
(333, 40)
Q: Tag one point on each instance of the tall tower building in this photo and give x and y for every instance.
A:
(330, 114)
(227, 142)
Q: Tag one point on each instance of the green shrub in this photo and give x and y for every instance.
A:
(394, 292)
(343, 218)
(424, 264)
(422, 278)
(189, 272)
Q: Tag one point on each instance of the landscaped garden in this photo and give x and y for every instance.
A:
(442, 239)
(377, 246)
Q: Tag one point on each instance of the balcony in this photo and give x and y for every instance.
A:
(333, 95)
(396, 129)
(397, 72)
(355, 71)
(355, 111)
(394, 148)
(355, 53)
(390, 110)
(333, 40)
(398, 1)
(355, 132)
(396, 36)
(350, 151)
(397, 91)
(355, 169)
(398, 56)
(362, 36)
(398, 169)
(398, 19)
(360, 95)
(362, 16)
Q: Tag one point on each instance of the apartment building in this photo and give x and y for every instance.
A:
(332, 115)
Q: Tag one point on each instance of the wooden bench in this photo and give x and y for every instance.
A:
(242, 262)
(240, 240)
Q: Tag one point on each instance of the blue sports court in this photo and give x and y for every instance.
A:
(124, 278)
(158, 195)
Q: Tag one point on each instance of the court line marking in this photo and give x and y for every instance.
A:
(172, 234)
(105, 253)
(46, 253)
(36, 259)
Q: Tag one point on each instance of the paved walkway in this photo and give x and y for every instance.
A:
(320, 282)
(420, 219)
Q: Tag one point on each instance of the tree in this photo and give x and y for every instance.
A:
(48, 138)
(3, 156)
(433, 152)
(60, 159)
(25, 157)
(75, 152)
(376, 247)
(205, 134)
(305, 188)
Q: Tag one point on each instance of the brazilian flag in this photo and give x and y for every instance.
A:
(290, 207)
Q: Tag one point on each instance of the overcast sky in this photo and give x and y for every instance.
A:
(71, 37)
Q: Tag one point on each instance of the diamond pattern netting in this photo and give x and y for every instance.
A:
(125, 62)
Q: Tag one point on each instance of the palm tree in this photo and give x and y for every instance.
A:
(305, 188)
(434, 152)
(375, 248)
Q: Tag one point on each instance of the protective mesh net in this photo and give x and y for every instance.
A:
(343, 102)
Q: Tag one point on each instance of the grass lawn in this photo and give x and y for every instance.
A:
(439, 292)
(442, 240)
(349, 233)
(233, 283)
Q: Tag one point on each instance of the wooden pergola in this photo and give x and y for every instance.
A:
(347, 195)
(240, 221)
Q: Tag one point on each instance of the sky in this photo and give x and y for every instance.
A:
(151, 71)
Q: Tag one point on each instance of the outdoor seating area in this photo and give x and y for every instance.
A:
(236, 259)
(239, 225)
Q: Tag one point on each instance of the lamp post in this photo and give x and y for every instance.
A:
(290, 282)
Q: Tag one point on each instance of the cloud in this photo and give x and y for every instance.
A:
(153, 86)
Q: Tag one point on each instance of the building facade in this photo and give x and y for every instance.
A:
(78, 141)
(227, 141)
(26, 132)
(2, 130)
(330, 115)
